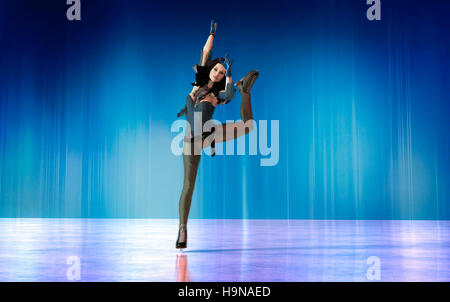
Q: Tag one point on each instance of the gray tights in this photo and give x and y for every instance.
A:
(191, 162)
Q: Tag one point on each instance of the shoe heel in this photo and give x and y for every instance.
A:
(181, 244)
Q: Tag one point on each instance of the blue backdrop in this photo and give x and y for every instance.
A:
(363, 109)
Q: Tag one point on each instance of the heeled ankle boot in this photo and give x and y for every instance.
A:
(182, 237)
(245, 84)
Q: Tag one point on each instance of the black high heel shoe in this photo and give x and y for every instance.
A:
(182, 244)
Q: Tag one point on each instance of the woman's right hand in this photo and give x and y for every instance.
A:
(213, 28)
(228, 62)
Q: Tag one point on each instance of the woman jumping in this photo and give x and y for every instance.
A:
(213, 86)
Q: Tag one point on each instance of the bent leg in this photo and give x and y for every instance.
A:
(232, 131)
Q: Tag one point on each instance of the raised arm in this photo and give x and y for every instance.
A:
(227, 95)
(207, 49)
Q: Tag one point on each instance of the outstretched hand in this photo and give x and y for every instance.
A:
(213, 28)
(228, 62)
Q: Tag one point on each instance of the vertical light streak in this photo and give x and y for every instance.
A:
(355, 160)
(409, 133)
(391, 180)
(312, 159)
(244, 190)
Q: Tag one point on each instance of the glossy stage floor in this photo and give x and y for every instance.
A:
(224, 250)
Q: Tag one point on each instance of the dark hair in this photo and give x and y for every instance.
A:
(202, 76)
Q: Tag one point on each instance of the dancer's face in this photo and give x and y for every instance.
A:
(217, 73)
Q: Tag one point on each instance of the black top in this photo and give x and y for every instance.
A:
(193, 106)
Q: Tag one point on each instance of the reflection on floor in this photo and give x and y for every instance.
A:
(224, 250)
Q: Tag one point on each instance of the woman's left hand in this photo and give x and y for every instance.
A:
(213, 28)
